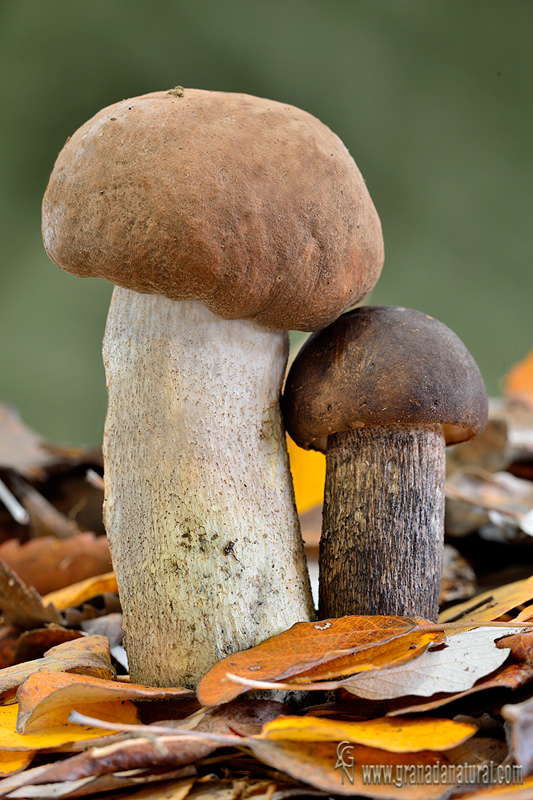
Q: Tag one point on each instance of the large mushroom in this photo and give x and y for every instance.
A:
(382, 391)
(223, 220)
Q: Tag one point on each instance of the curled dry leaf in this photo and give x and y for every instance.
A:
(54, 731)
(168, 751)
(11, 761)
(49, 564)
(395, 736)
(86, 656)
(47, 690)
(23, 607)
(305, 645)
(520, 645)
(489, 606)
(510, 676)
(315, 763)
(78, 593)
(456, 667)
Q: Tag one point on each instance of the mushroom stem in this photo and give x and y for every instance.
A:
(383, 522)
(199, 505)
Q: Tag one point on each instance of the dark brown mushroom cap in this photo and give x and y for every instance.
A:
(251, 206)
(383, 365)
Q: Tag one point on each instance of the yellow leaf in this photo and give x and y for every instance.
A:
(78, 593)
(11, 761)
(396, 735)
(53, 731)
(308, 469)
(489, 606)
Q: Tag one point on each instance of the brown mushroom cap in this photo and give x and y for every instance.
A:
(383, 365)
(251, 206)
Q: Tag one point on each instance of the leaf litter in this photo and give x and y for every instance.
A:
(164, 743)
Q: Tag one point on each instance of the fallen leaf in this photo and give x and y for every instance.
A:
(520, 645)
(11, 761)
(404, 648)
(21, 606)
(396, 736)
(53, 731)
(78, 593)
(165, 751)
(376, 774)
(86, 656)
(522, 790)
(511, 676)
(23, 450)
(49, 564)
(456, 667)
(489, 606)
(34, 644)
(305, 645)
(46, 690)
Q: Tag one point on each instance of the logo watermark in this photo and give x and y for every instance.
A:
(398, 775)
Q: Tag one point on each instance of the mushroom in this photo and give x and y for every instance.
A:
(383, 390)
(224, 220)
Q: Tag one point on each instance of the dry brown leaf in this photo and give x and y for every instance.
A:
(512, 676)
(21, 606)
(49, 564)
(46, 689)
(34, 644)
(314, 764)
(520, 645)
(491, 605)
(520, 791)
(305, 645)
(394, 735)
(86, 656)
(23, 450)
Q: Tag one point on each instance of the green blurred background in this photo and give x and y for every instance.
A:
(432, 97)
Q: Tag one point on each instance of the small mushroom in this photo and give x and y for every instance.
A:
(223, 220)
(384, 389)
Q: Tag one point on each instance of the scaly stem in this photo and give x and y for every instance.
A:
(383, 522)
(199, 505)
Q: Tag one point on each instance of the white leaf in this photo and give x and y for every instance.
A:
(454, 668)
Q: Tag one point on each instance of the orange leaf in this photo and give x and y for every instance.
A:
(89, 656)
(308, 468)
(519, 380)
(53, 731)
(399, 735)
(489, 606)
(305, 645)
(397, 651)
(78, 593)
(46, 690)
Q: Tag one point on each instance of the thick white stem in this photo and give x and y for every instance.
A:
(199, 505)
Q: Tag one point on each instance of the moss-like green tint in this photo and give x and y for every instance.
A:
(432, 99)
